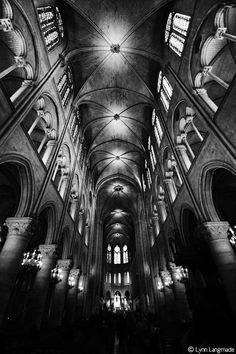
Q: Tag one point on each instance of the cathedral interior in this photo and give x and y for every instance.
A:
(117, 176)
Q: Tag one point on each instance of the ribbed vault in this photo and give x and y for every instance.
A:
(115, 51)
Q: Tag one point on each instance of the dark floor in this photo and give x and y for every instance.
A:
(105, 334)
(124, 333)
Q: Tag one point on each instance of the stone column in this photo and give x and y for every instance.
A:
(156, 225)
(182, 152)
(48, 152)
(170, 314)
(39, 293)
(215, 234)
(182, 307)
(59, 296)
(171, 188)
(72, 298)
(64, 184)
(162, 208)
(19, 234)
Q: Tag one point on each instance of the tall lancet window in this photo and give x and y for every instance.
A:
(117, 258)
(176, 31)
(65, 86)
(165, 90)
(158, 132)
(51, 25)
(109, 254)
(125, 254)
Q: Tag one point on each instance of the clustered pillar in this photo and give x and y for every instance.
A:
(19, 235)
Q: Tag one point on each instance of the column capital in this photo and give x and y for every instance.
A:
(220, 32)
(6, 24)
(168, 180)
(64, 264)
(75, 272)
(20, 61)
(214, 230)
(20, 226)
(180, 147)
(48, 251)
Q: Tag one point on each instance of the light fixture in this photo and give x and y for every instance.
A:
(71, 281)
(180, 273)
(115, 48)
(166, 277)
(32, 261)
(56, 274)
(80, 288)
(160, 285)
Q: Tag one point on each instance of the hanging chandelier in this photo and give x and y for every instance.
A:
(71, 281)
(56, 274)
(32, 261)
(160, 286)
(167, 280)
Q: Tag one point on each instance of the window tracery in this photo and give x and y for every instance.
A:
(109, 253)
(165, 90)
(176, 22)
(65, 86)
(117, 255)
(125, 254)
(51, 25)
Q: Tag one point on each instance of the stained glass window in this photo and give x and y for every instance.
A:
(109, 254)
(51, 25)
(117, 258)
(65, 86)
(179, 23)
(125, 254)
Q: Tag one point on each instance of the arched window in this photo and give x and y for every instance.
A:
(153, 158)
(109, 254)
(115, 278)
(158, 132)
(125, 254)
(65, 86)
(165, 90)
(117, 258)
(51, 25)
(215, 56)
(126, 278)
(119, 278)
(74, 126)
(149, 178)
(176, 30)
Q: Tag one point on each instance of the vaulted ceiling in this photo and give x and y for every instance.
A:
(115, 49)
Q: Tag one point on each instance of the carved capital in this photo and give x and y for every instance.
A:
(75, 273)
(20, 226)
(64, 264)
(206, 70)
(48, 251)
(20, 61)
(214, 230)
(6, 24)
(220, 32)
